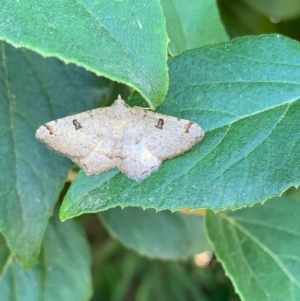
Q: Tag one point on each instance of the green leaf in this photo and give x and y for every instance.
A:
(241, 20)
(163, 235)
(62, 271)
(246, 95)
(123, 40)
(259, 249)
(119, 271)
(4, 255)
(279, 9)
(192, 23)
(33, 91)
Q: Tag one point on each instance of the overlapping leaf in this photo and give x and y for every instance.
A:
(62, 271)
(259, 249)
(33, 91)
(163, 235)
(192, 23)
(4, 255)
(123, 40)
(242, 20)
(246, 95)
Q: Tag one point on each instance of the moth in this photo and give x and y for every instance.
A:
(133, 139)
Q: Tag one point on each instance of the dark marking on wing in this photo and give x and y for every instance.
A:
(109, 156)
(83, 164)
(50, 129)
(77, 125)
(160, 124)
(119, 156)
(187, 127)
(149, 169)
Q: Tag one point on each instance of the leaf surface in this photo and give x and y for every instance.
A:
(62, 271)
(192, 23)
(246, 95)
(259, 249)
(125, 41)
(33, 91)
(163, 235)
(4, 255)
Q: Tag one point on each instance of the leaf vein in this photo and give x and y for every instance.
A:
(263, 247)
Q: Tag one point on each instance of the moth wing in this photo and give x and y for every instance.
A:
(86, 138)
(150, 138)
(167, 136)
(136, 161)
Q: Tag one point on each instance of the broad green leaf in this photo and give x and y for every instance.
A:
(4, 255)
(123, 40)
(192, 23)
(163, 235)
(33, 91)
(62, 271)
(279, 9)
(259, 249)
(246, 95)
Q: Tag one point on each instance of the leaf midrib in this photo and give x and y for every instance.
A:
(246, 264)
(269, 226)
(262, 246)
(116, 40)
(11, 126)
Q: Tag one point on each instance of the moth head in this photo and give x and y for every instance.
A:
(119, 101)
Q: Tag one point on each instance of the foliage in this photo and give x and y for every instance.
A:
(244, 92)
